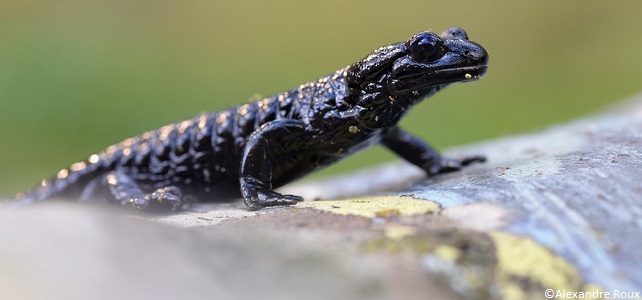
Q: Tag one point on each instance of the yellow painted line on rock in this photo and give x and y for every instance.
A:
(370, 207)
(522, 257)
(397, 232)
(448, 252)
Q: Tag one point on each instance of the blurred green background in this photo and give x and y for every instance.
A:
(76, 76)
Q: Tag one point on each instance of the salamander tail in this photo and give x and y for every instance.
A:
(66, 184)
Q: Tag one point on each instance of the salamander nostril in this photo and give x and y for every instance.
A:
(454, 33)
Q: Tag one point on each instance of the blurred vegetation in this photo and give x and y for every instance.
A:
(78, 75)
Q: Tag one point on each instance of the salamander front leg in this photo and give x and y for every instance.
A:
(266, 150)
(417, 152)
(126, 192)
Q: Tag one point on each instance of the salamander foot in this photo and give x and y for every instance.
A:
(163, 199)
(447, 165)
(257, 198)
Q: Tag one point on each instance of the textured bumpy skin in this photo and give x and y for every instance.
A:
(256, 147)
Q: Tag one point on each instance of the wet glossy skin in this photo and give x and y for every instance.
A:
(261, 145)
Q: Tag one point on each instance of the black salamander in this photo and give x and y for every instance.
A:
(251, 149)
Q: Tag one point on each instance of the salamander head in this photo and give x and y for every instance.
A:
(415, 69)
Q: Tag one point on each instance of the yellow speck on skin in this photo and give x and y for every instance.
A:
(371, 207)
(397, 232)
(112, 180)
(468, 76)
(353, 129)
(522, 257)
(447, 252)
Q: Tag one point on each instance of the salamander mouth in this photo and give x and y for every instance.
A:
(450, 75)
(419, 81)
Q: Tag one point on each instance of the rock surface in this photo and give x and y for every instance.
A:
(558, 209)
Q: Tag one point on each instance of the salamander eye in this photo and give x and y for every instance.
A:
(425, 47)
